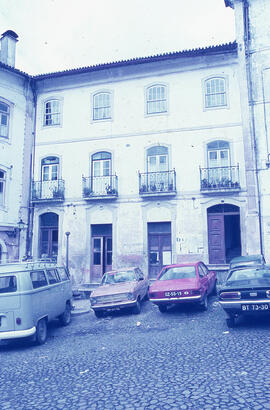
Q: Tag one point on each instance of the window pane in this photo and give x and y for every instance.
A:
(38, 279)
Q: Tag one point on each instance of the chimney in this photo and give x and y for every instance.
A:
(8, 47)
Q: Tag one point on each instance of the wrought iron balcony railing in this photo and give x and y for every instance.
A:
(48, 190)
(220, 178)
(157, 183)
(100, 187)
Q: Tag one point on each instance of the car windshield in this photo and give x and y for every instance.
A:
(248, 274)
(246, 263)
(8, 284)
(178, 272)
(118, 277)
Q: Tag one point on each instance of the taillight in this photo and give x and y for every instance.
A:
(196, 292)
(18, 321)
(153, 294)
(230, 295)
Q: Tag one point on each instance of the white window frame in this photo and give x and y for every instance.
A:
(157, 100)
(3, 182)
(7, 114)
(102, 107)
(60, 112)
(214, 93)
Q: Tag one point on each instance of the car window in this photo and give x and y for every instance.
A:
(8, 284)
(248, 274)
(119, 277)
(38, 278)
(178, 272)
(204, 269)
(139, 273)
(62, 273)
(52, 276)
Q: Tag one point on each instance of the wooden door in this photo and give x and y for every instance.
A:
(159, 252)
(216, 239)
(49, 243)
(97, 259)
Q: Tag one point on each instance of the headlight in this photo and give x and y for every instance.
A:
(93, 301)
(130, 296)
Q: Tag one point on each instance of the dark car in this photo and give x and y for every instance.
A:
(247, 261)
(246, 292)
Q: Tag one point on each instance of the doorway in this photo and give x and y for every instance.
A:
(101, 245)
(224, 233)
(159, 246)
(48, 236)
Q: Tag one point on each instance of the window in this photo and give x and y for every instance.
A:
(52, 113)
(2, 187)
(4, 120)
(52, 276)
(8, 284)
(156, 99)
(50, 167)
(63, 274)
(38, 279)
(218, 153)
(215, 93)
(101, 172)
(102, 106)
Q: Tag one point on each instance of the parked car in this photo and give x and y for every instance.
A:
(123, 288)
(31, 295)
(246, 292)
(246, 261)
(183, 283)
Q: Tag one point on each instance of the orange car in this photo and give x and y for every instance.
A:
(124, 288)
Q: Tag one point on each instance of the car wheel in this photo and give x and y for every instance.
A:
(137, 308)
(99, 313)
(41, 332)
(65, 318)
(163, 308)
(230, 322)
(204, 302)
(214, 291)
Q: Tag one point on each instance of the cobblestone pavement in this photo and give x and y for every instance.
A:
(183, 359)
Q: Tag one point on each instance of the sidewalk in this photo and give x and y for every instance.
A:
(81, 306)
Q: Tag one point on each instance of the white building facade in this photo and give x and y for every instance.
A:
(16, 140)
(143, 162)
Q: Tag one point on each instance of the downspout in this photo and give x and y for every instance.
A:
(32, 168)
(250, 94)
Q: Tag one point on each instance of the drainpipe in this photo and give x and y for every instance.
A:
(250, 93)
(264, 115)
(32, 168)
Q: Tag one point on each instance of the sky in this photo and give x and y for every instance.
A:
(56, 35)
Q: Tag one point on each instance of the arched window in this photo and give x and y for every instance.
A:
(102, 106)
(215, 92)
(4, 119)
(48, 245)
(156, 99)
(101, 171)
(51, 113)
(2, 187)
(49, 169)
(157, 159)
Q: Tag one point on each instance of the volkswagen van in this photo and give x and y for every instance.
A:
(31, 295)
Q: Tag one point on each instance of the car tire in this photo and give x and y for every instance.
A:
(204, 302)
(163, 308)
(214, 291)
(137, 308)
(41, 332)
(99, 313)
(230, 322)
(65, 318)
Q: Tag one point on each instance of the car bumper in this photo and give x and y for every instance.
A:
(114, 305)
(236, 305)
(185, 299)
(17, 334)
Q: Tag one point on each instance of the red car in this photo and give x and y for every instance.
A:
(183, 283)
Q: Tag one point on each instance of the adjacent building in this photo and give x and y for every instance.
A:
(16, 140)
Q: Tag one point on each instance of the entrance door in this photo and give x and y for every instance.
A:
(159, 247)
(224, 233)
(48, 247)
(101, 260)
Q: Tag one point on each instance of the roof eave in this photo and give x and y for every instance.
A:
(229, 3)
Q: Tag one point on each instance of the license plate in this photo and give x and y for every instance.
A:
(173, 294)
(255, 307)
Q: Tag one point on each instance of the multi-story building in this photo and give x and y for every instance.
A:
(253, 38)
(16, 139)
(144, 163)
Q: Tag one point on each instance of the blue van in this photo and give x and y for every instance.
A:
(31, 295)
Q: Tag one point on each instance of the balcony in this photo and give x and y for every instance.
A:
(157, 183)
(105, 187)
(48, 191)
(220, 179)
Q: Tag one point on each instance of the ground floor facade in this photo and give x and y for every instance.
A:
(148, 233)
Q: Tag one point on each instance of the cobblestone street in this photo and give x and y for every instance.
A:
(184, 359)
